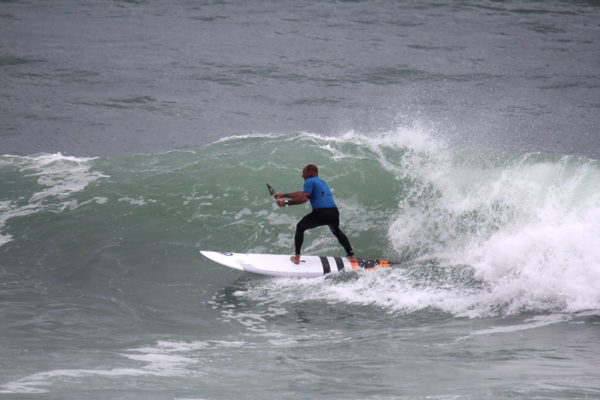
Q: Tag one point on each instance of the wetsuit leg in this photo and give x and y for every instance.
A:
(309, 221)
(320, 217)
(341, 236)
(343, 239)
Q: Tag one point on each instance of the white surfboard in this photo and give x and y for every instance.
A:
(280, 265)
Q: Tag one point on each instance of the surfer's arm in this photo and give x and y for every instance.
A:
(294, 198)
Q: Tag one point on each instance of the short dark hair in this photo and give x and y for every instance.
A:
(312, 168)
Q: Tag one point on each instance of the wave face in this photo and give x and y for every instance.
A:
(475, 233)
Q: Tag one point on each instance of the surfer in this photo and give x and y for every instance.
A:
(325, 211)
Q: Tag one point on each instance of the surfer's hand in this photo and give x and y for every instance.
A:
(277, 195)
(282, 202)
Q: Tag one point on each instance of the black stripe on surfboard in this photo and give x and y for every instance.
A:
(339, 262)
(326, 267)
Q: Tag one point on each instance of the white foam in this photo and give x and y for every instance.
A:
(529, 229)
(164, 359)
(140, 201)
(531, 323)
(10, 210)
(32, 383)
(62, 176)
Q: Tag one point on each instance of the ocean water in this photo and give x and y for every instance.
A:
(460, 139)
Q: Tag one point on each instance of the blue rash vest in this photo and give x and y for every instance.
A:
(320, 194)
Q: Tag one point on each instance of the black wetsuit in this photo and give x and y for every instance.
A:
(324, 212)
(321, 217)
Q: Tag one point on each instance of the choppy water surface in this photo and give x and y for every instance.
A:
(460, 139)
(121, 77)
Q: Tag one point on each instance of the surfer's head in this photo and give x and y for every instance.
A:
(309, 171)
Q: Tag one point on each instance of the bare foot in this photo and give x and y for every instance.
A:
(352, 259)
(295, 259)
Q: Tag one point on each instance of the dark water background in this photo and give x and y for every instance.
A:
(119, 77)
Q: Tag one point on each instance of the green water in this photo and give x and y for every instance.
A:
(104, 293)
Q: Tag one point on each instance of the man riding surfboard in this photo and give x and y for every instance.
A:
(325, 211)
